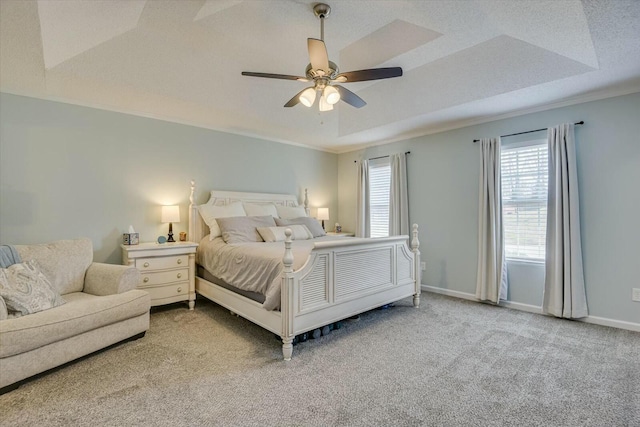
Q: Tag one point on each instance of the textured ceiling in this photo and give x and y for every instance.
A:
(464, 62)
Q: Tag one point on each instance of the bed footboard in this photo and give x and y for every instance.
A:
(344, 278)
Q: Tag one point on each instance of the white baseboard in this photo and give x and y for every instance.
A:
(449, 292)
(603, 321)
(620, 324)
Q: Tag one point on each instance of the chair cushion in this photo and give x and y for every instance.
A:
(82, 312)
(63, 262)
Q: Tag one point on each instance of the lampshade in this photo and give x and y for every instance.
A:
(170, 214)
(331, 94)
(324, 105)
(308, 97)
(323, 213)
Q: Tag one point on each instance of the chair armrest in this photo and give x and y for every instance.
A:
(108, 279)
(4, 313)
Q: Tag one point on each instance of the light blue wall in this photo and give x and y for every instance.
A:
(68, 171)
(443, 194)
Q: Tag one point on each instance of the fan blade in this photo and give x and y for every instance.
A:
(372, 74)
(318, 55)
(295, 100)
(349, 97)
(275, 76)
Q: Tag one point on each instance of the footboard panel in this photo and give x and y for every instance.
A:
(363, 270)
(315, 287)
(338, 276)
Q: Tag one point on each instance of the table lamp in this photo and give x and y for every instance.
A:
(323, 213)
(170, 214)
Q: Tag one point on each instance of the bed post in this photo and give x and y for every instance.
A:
(192, 217)
(286, 300)
(415, 245)
(306, 202)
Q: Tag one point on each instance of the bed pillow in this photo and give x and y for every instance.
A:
(311, 223)
(276, 234)
(288, 212)
(260, 209)
(26, 290)
(244, 229)
(210, 213)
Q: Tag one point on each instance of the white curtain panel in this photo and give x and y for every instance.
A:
(564, 292)
(398, 196)
(363, 228)
(491, 282)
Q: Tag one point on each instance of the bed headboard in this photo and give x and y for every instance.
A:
(198, 228)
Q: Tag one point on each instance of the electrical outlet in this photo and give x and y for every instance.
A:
(635, 294)
(423, 267)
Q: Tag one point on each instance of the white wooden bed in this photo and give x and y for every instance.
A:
(340, 279)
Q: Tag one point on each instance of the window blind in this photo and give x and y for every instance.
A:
(379, 189)
(525, 179)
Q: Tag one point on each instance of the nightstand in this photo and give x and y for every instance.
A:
(342, 234)
(167, 270)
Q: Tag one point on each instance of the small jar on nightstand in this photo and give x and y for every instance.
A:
(167, 270)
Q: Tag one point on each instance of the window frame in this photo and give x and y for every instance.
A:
(511, 146)
(381, 163)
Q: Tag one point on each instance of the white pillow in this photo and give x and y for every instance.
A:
(255, 209)
(311, 223)
(289, 212)
(209, 214)
(276, 234)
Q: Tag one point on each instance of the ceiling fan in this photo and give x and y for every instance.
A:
(325, 74)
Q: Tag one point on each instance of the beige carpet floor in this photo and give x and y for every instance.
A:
(449, 363)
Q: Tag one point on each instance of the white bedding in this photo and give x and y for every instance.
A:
(253, 266)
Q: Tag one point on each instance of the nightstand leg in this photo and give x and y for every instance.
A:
(192, 304)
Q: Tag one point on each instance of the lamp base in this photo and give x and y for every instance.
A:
(170, 236)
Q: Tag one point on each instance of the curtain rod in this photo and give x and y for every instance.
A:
(382, 157)
(528, 131)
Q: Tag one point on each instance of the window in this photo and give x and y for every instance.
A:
(524, 199)
(379, 189)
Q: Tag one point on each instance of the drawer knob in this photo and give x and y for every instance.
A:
(179, 290)
(145, 280)
(179, 261)
(179, 275)
(146, 264)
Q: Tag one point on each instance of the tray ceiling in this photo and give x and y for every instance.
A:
(464, 62)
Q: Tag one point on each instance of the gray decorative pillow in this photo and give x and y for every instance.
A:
(312, 224)
(26, 290)
(244, 228)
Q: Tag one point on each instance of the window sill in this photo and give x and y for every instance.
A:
(526, 261)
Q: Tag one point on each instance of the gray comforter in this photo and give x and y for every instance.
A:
(253, 267)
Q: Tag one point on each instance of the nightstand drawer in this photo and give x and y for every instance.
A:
(169, 291)
(155, 278)
(162, 263)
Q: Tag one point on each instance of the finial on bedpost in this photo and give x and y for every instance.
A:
(417, 272)
(287, 259)
(415, 243)
(306, 201)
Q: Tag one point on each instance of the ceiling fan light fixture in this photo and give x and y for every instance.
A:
(308, 97)
(324, 104)
(331, 94)
(325, 75)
